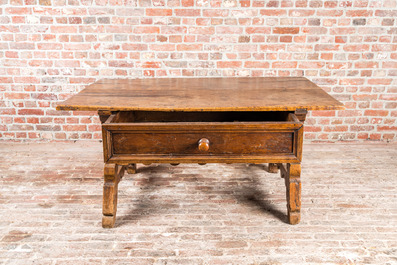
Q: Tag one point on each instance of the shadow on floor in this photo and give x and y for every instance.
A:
(249, 193)
(253, 194)
(148, 186)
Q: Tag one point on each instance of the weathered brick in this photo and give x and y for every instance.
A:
(189, 47)
(284, 64)
(376, 112)
(232, 232)
(244, 39)
(359, 21)
(229, 64)
(187, 12)
(231, 244)
(273, 12)
(286, 30)
(158, 12)
(258, 30)
(346, 47)
(30, 112)
(215, 13)
(254, 64)
(146, 29)
(359, 13)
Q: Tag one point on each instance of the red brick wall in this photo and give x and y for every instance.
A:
(50, 49)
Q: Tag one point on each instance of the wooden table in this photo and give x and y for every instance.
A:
(202, 120)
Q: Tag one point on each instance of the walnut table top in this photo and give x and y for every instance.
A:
(203, 94)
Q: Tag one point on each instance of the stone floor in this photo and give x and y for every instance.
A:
(51, 195)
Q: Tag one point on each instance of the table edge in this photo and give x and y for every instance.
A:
(208, 109)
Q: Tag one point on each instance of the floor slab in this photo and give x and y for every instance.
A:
(51, 198)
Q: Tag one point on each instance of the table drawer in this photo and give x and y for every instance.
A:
(210, 141)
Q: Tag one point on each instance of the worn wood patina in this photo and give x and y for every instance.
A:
(203, 94)
(202, 120)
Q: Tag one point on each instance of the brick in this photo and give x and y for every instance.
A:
(5, 79)
(338, 128)
(49, 46)
(134, 47)
(380, 81)
(360, 128)
(313, 129)
(231, 244)
(215, 13)
(18, 10)
(389, 64)
(366, 64)
(121, 64)
(22, 46)
(148, 29)
(359, 13)
(273, 12)
(258, 30)
(244, 39)
(148, 64)
(384, 47)
(229, 64)
(375, 136)
(245, 3)
(188, 3)
(77, 46)
(330, 13)
(254, 64)
(286, 30)
(386, 13)
(158, 12)
(311, 65)
(343, 31)
(284, 64)
(246, 48)
(356, 48)
(229, 30)
(301, 13)
(189, 47)
(30, 112)
(202, 30)
(359, 21)
(187, 12)
(387, 128)
(45, 2)
(285, 38)
(376, 112)
(326, 47)
(163, 47)
(126, 29)
(63, 29)
(346, 47)
(349, 113)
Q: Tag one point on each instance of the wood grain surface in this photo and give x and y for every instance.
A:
(203, 94)
(181, 140)
(186, 143)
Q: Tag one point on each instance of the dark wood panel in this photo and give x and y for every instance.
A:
(203, 94)
(199, 116)
(145, 159)
(203, 126)
(220, 143)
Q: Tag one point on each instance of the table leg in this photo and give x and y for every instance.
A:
(291, 175)
(131, 168)
(273, 168)
(112, 174)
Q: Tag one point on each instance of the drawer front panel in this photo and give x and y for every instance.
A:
(234, 142)
(186, 143)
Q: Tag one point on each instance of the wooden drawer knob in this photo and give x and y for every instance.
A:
(203, 144)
